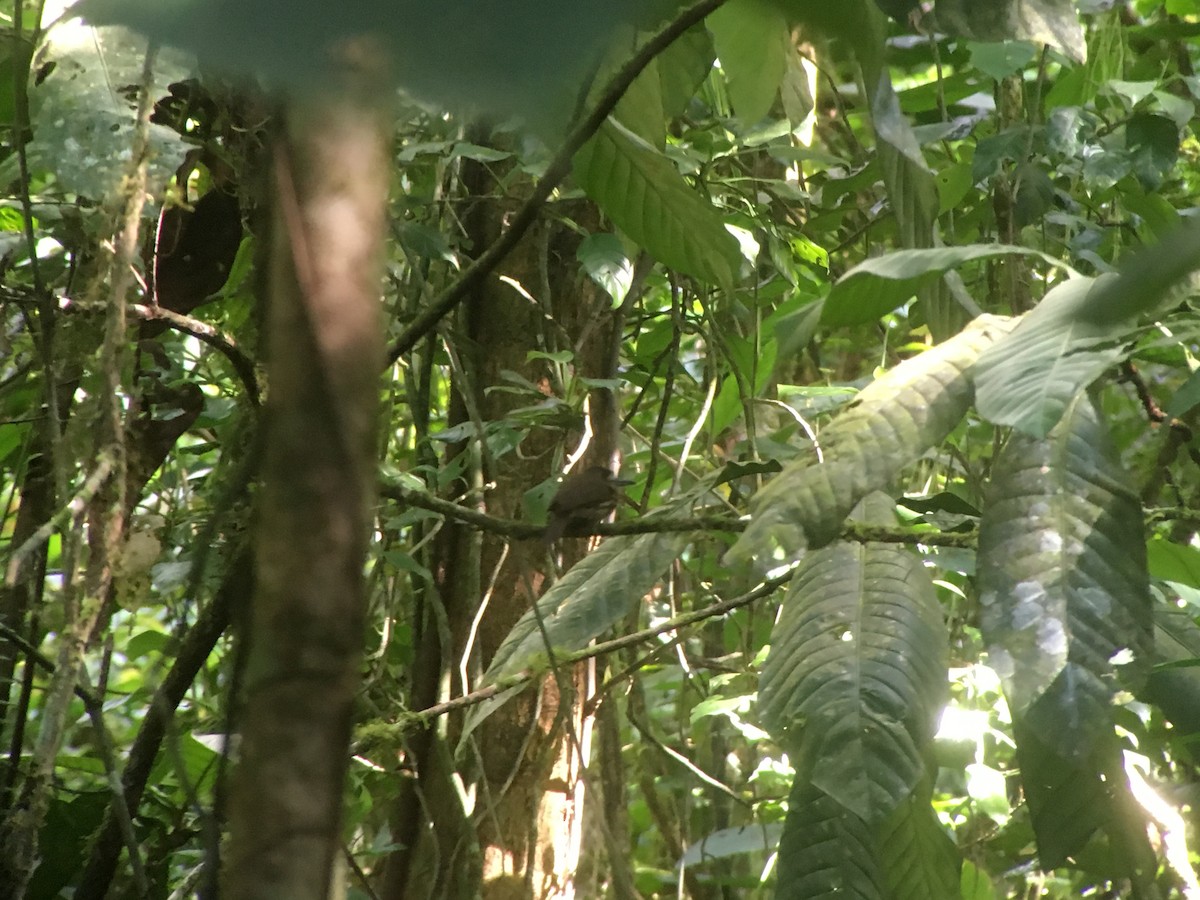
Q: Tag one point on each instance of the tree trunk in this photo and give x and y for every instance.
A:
(525, 759)
(325, 349)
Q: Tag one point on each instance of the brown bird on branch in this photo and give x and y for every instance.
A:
(583, 499)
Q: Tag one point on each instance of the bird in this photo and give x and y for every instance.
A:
(583, 499)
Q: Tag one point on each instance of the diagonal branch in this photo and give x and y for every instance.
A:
(559, 166)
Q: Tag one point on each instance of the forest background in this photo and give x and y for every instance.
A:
(885, 311)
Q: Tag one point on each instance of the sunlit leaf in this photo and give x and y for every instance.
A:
(751, 38)
(881, 284)
(856, 674)
(644, 194)
(1075, 334)
(1062, 568)
(891, 423)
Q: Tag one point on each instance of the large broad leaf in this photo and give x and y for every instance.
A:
(646, 197)
(1027, 380)
(594, 595)
(523, 57)
(1053, 22)
(1074, 335)
(879, 285)
(1066, 616)
(1080, 805)
(1063, 580)
(751, 38)
(920, 860)
(857, 673)
(890, 424)
(84, 109)
(828, 851)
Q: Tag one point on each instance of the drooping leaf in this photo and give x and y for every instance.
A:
(910, 184)
(646, 197)
(524, 57)
(682, 67)
(751, 39)
(1063, 579)
(1074, 335)
(1080, 805)
(1145, 278)
(857, 673)
(1067, 617)
(881, 284)
(920, 859)
(890, 424)
(1027, 380)
(595, 594)
(826, 851)
(641, 108)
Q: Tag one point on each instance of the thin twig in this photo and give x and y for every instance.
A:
(215, 338)
(74, 508)
(512, 528)
(421, 717)
(95, 711)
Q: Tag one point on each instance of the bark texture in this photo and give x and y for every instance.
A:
(325, 353)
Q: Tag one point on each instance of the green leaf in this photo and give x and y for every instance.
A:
(682, 68)
(1153, 143)
(646, 197)
(641, 108)
(889, 425)
(1172, 687)
(594, 595)
(1067, 616)
(1079, 804)
(1063, 579)
(920, 860)
(1145, 278)
(879, 285)
(604, 259)
(1000, 60)
(1027, 379)
(1169, 561)
(1074, 335)
(857, 674)
(826, 850)
(751, 39)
